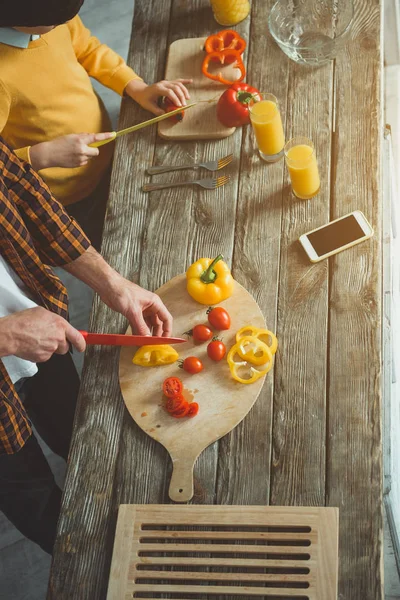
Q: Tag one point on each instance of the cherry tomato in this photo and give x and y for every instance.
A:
(201, 333)
(219, 318)
(175, 403)
(216, 349)
(172, 387)
(192, 365)
(193, 409)
(182, 411)
(167, 105)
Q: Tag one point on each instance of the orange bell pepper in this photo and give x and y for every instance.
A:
(225, 57)
(225, 40)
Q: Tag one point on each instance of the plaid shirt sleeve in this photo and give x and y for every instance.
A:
(58, 238)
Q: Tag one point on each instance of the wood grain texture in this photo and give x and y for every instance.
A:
(256, 266)
(298, 462)
(354, 460)
(220, 411)
(313, 436)
(185, 58)
(199, 223)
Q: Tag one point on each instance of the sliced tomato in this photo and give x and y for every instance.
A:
(172, 387)
(181, 412)
(175, 403)
(193, 409)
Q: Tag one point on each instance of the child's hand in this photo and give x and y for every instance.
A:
(67, 151)
(148, 95)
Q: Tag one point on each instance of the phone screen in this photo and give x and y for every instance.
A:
(336, 235)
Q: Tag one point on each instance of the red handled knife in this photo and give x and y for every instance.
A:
(116, 339)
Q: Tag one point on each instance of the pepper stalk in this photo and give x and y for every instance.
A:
(209, 275)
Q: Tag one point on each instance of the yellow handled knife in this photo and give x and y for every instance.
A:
(141, 125)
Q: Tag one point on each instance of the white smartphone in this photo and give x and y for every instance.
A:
(336, 236)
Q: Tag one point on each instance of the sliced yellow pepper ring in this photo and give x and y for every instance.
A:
(264, 335)
(253, 374)
(155, 355)
(253, 350)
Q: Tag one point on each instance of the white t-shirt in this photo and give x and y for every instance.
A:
(14, 296)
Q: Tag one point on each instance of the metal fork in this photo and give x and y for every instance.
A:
(209, 184)
(212, 165)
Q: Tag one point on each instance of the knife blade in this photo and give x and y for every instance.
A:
(141, 125)
(116, 339)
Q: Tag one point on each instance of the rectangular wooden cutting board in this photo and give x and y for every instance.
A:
(223, 551)
(184, 61)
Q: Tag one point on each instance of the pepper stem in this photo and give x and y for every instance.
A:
(209, 275)
(245, 97)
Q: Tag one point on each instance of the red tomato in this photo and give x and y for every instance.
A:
(216, 350)
(192, 365)
(167, 105)
(201, 333)
(219, 318)
(175, 403)
(172, 387)
(193, 409)
(182, 411)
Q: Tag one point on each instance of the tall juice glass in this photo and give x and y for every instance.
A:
(230, 12)
(303, 168)
(267, 126)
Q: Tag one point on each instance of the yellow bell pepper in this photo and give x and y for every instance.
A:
(254, 374)
(209, 281)
(155, 355)
(253, 350)
(269, 337)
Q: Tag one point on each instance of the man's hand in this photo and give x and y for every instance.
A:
(67, 151)
(148, 95)
(36, 334)
(145, 311)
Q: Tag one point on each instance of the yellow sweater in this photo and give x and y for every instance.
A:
(45, 92)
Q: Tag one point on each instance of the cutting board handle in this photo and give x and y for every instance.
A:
(181, 488)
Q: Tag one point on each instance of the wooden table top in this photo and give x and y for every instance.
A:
(313, 437)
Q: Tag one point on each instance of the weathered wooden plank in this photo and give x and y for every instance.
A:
(354, 481)
(199, 223)
(298, 463)
(245, 454)
(83, 548)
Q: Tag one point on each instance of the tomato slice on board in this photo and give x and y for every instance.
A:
(181, 412)
(176, 403)
(172, 387)
(193, 409)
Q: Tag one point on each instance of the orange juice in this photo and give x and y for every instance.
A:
(230, 12)
(267, 126)
(303, 168)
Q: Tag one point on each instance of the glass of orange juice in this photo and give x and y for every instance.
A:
(303, 168)
(267, 126)
(230, 12)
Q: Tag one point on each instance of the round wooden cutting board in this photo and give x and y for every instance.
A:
(223, 402)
